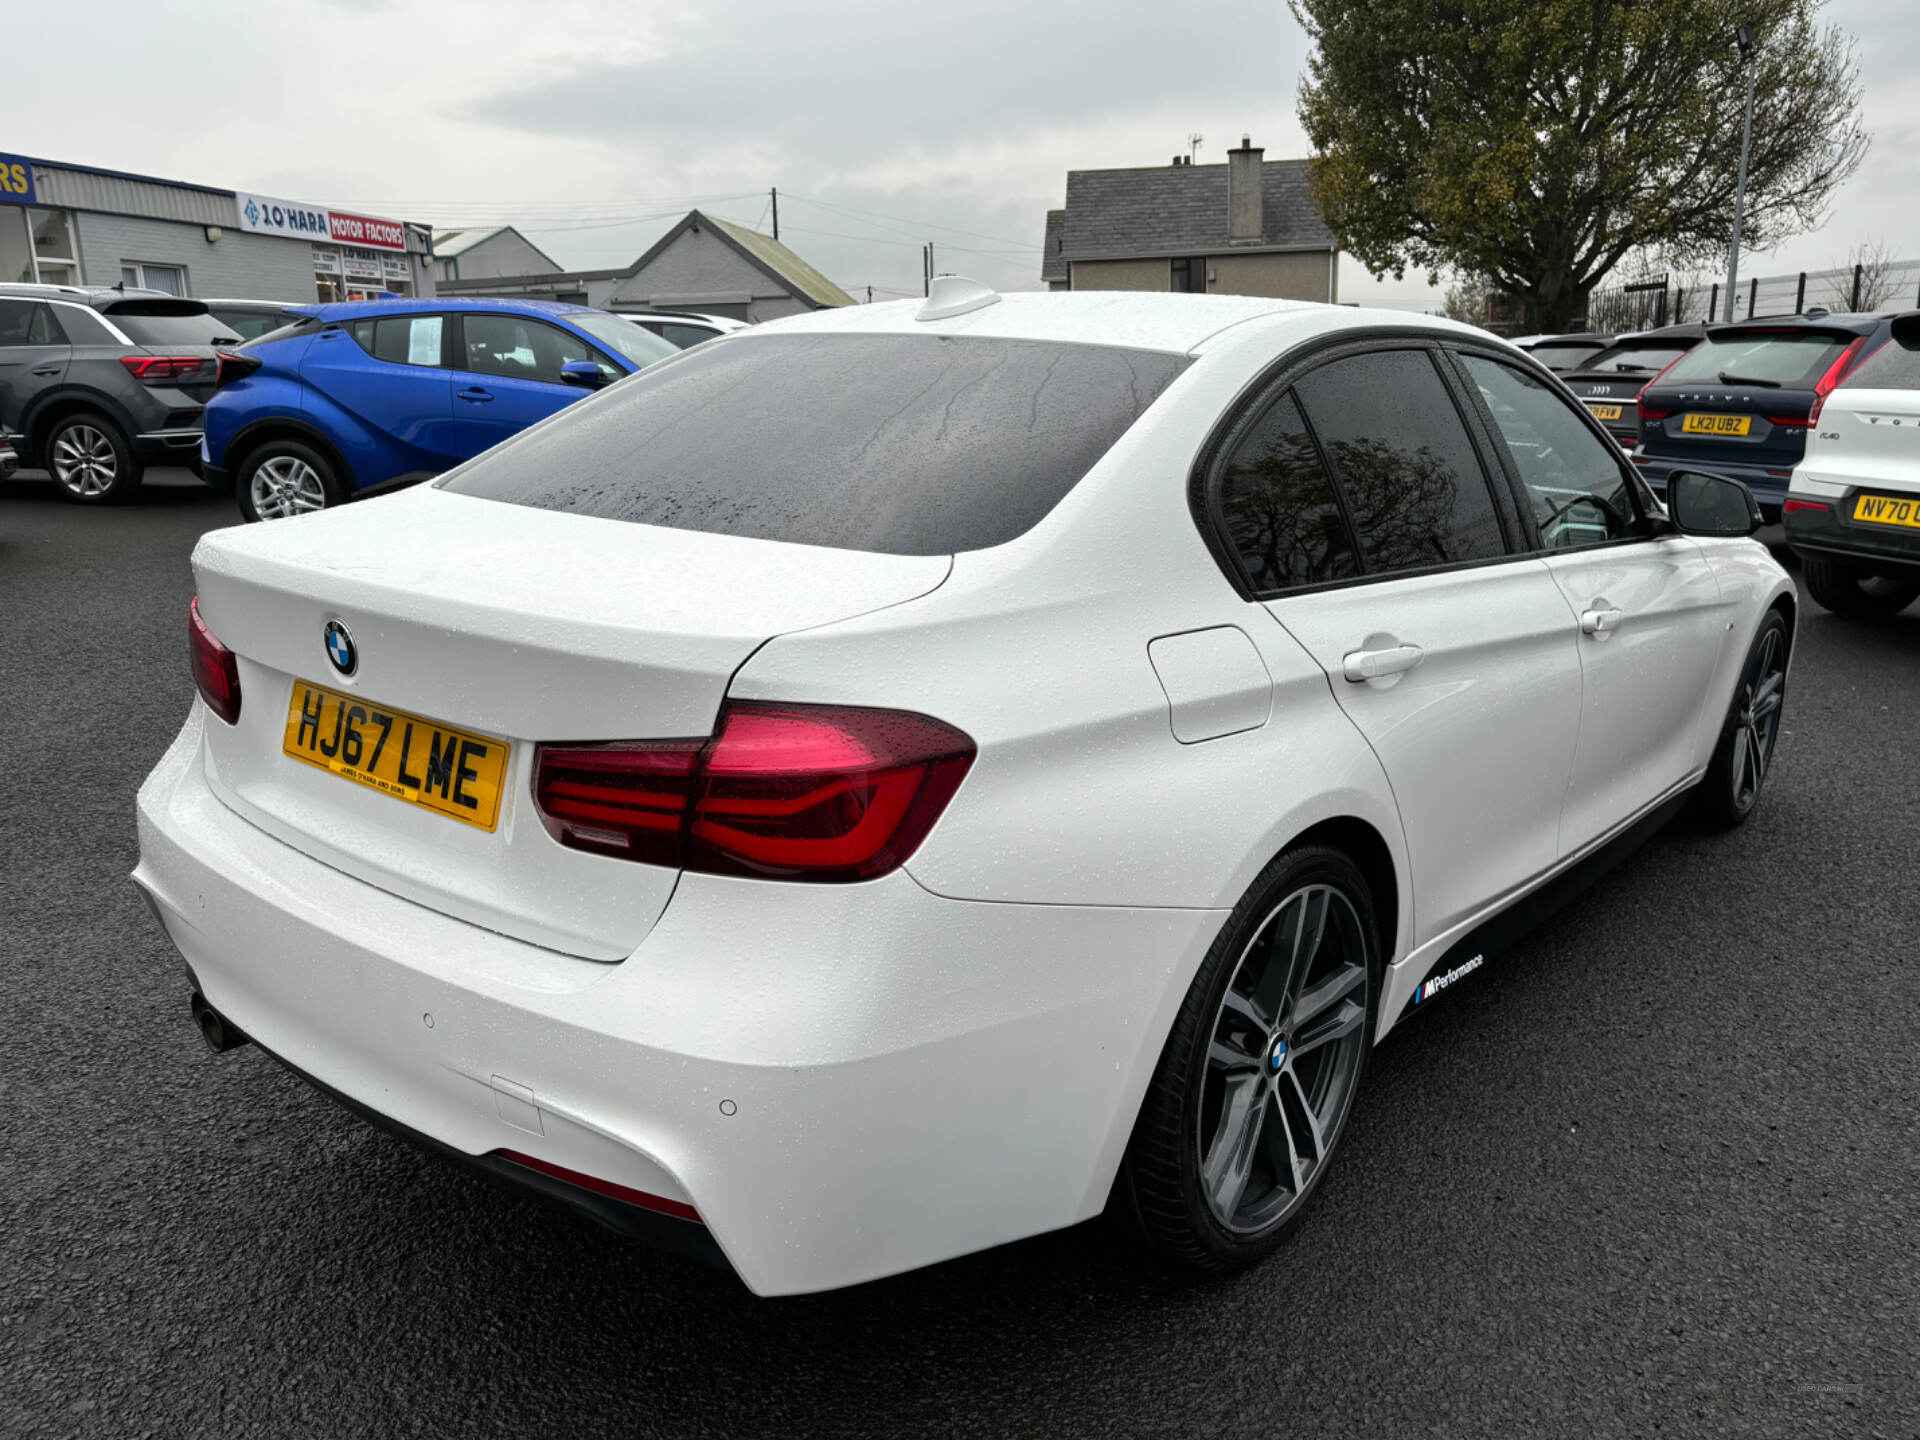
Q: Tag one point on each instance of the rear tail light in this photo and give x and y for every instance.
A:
(156, 368)
(1787, 507)
(1836, 372)
(677, 1208)
(794, 792)
(229, 368)
(216, 670)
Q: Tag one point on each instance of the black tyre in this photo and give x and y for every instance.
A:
(91, 460)
(1857, 594)
(1257, 1080)
(282, 478)
(1744, 755)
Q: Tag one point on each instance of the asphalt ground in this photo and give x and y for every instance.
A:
(1652, 1173)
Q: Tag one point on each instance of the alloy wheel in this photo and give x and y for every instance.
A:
(84, 461)
(286, 485)
(1283, 1059)
(1762, 694)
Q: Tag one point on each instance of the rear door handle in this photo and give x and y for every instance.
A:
(476, 395)
(1361, 665)
(1599, 622)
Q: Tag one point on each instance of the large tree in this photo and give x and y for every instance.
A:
(1538, 142)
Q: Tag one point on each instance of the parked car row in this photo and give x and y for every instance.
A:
(1817, 414)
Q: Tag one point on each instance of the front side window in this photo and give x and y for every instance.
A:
(1403, 460)
(1279, 508)
(400, 339)
(514, 347)
(895, 444)
(1575, 485)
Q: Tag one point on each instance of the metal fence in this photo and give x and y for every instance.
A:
(1670, 300)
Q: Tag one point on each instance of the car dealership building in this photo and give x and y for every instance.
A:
(79, 225)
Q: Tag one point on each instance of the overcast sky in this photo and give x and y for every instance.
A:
(593, 124)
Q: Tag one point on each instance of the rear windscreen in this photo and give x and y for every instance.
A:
(1637, 359)
(1794, 361)
(1563, 357)
(193, 328)
(899, 444)
(1894, 366)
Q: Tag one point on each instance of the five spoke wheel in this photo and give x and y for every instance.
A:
(1757, 722)
(1283, 1059)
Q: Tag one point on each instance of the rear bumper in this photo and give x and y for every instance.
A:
(1769, 486)
(843, 1082)
(1832, 534)
(168, 447)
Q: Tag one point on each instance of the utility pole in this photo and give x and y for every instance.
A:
(869, 294)
(1748, 45)
(775, 193)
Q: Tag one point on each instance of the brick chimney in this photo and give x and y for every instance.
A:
(1245, 225)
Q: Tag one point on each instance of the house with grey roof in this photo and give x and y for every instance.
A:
(485, 252)
(1248, 227)
(703, 263)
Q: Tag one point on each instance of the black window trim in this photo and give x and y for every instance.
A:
(1266, 389)
(1488, 435)
(456, 350)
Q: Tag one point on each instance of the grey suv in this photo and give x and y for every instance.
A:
(97, 384)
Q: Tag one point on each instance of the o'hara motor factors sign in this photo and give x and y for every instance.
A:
(263, 215)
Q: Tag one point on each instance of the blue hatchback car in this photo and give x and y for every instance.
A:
(368, 396)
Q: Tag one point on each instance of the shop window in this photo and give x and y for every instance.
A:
(169, 279)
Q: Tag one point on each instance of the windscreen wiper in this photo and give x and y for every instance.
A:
(1727, 377)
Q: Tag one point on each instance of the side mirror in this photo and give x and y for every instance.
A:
(587, 374)
(1702, 503)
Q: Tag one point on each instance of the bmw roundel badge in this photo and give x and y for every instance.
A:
(340, 648)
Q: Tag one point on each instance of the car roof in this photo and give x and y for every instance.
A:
(265, 307)
(360, 309)
(1177, 323)
(87, 294)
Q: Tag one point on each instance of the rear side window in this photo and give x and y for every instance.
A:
(1894, 366)
(83, 327)
(1279, 508)
(899, 444)
(158, 323)
(16, 321)
(401, 339)
(1791, 361)
(1400, 453)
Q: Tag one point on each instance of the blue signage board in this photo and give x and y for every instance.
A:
(16, 180)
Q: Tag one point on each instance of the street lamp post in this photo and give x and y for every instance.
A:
(1748, 45)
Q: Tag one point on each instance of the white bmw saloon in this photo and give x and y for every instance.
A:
(893, 781)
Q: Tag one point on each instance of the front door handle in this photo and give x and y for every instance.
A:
(1600, 622)
(1362, 665)
(49, 369)
(476, 395)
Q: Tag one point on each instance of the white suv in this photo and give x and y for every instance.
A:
(1852, 512)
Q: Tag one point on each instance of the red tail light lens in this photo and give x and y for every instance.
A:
(1835, 373)
(161, 367)
(216, 670)
(229, 368)
(1788, 507)
(793, 792)
(1648, 412)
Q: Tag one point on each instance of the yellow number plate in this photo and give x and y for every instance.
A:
(1879, 510)
(1605, 412)
(419, 761)
(1717, 424)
